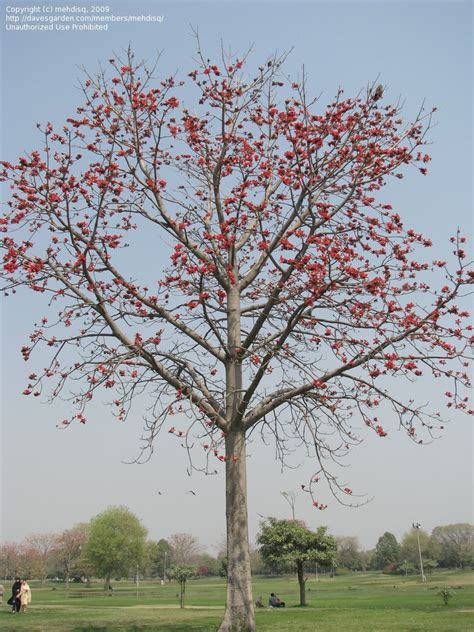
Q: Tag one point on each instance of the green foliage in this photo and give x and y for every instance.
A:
(157, 559)
(455, 544)
(409, 548)
(223, 567)
(290, 541)
(116, 543)
(446, 594)
(212, 564)
(405, 569)
(181, 574)
(387, 551)
(348, 553)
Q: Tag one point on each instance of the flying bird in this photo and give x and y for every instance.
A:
(191, 492)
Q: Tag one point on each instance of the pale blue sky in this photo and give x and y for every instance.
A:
(421, 50)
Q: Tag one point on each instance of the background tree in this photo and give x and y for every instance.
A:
(348, 553)
(294, 292)
(69, 549)
(185, 549)
(367, 559)
(32, 564)
(181, 573)
(256, 562)
(116, 543)
(387, 550)
(210, 562)
(429, 549)
(455, 545)
(291, 542)
(9, 559)
(39, 549)
(158, 558)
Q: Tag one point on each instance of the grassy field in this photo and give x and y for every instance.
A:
(359, 602)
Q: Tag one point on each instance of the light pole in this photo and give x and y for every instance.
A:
(417, 527)
(164, 565)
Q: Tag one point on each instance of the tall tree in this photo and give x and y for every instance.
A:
(116, 543)
(294, 292)
(291, 542)
(387, 550)
(456, 544)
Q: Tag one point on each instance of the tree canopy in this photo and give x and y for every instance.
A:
(455, 544)
(116, 543)
(387, 550)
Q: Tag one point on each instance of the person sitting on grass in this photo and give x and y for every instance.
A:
(259, 602)
(275, 602)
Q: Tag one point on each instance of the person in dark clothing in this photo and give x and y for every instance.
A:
(15, 601)
(275, 602)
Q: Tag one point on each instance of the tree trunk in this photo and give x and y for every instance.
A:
(239, 613)
(301, 582)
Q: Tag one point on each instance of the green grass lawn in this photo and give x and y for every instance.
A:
(358, 602)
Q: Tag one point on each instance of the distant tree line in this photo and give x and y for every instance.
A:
(114, 545)
(448, 546)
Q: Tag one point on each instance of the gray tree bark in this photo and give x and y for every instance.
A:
(301, 582)
(239, 614)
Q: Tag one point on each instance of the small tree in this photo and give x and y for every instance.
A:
(181, 574)
(116, 543)
(291, 542)
(406, 568)
(446, 594)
